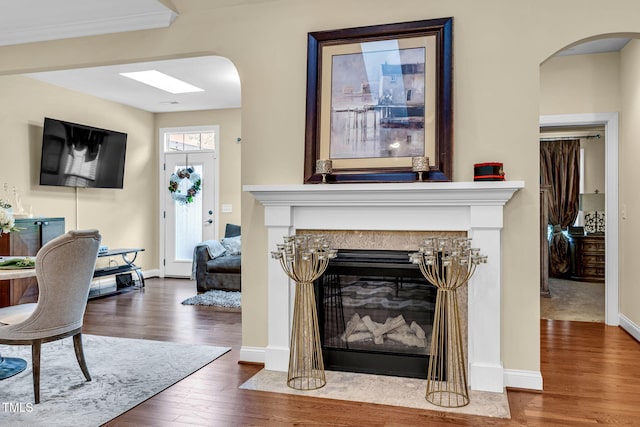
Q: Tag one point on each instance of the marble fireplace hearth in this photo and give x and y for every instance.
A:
(474, 208)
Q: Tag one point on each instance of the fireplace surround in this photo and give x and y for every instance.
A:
(475, 208)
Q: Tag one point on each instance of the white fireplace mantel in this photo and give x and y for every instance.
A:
(473, 207)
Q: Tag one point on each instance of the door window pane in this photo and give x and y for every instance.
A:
(188, 226)
(190, 141)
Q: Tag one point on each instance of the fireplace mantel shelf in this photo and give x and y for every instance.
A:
(410, 194)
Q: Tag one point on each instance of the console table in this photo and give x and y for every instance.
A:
(128, 256)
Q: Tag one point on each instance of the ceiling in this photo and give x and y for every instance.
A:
(27, 21)
(596, 46)
(215, 74)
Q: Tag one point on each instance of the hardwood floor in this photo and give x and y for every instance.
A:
(591, 374)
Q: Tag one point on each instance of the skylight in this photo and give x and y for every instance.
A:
(162, 81)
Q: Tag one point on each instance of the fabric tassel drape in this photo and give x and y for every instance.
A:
(560, 168)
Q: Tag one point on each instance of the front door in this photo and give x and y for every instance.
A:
(188, 221)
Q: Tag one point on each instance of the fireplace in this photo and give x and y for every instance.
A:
(375, 314)
(474, 208)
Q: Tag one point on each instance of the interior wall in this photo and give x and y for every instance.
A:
(594, 161)
(498, 48)
(229, 153)
(120, 215)
(629, 178)
(580, 84)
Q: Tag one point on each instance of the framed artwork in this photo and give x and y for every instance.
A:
(377, 97)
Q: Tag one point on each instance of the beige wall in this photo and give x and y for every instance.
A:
(580, 84)
(125, 218)
(498, 48)
(629, 179)
(228, 152)
(594, 162)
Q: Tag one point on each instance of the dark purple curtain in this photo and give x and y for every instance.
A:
(560, 168)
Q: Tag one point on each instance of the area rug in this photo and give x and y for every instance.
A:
(215, 298)
(382, 390)
(125, 372)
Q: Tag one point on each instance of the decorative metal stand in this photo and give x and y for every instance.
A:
(304, 259)
(447, 263)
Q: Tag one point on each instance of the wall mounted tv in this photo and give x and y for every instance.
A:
(75, 155)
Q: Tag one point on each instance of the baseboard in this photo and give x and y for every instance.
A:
(148, 274)
(252, 354)
(629, 326)
(531, 380)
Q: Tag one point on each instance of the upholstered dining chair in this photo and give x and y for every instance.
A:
(64, 269)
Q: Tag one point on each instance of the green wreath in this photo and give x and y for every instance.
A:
(175, 183)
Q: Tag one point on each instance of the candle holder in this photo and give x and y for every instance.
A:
(420, 165)
(324, 167)
(448, 263)
(304, 259)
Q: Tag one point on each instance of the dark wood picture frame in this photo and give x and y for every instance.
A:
(441, 164)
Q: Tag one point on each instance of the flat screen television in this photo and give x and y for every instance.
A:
(75, 155)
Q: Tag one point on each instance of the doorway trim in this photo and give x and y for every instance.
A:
(610, 123)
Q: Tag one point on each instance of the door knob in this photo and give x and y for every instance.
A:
(209, 221)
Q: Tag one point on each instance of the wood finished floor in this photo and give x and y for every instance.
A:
(591, 374)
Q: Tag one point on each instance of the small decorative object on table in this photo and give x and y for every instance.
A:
(324, 167)
(304, 259)
(491, 171)
(594, 222)
(420, 165)
(447, 263)
(7, 222)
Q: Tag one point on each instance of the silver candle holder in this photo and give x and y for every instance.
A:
(324, 167)
(420, 165)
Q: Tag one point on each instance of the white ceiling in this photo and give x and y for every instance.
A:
(215, 74)
(596, 46)
(26, 21)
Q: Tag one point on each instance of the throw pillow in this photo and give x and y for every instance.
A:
(232, 230)
(215, 248)
(232, 245)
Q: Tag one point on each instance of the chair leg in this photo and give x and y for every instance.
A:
(35, 362)
(77, 345)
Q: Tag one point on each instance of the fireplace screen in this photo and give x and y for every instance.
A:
(376, 314)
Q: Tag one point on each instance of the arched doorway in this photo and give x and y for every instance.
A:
(589, 108)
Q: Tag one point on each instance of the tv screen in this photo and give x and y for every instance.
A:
(75, 155)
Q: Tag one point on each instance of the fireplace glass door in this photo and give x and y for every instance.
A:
(376, 314)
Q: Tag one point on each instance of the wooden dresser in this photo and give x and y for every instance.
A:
(588, 258)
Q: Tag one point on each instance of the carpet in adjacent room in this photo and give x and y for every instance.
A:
(575, 301)
(125, 372)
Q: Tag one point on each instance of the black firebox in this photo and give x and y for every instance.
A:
(375, 314)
